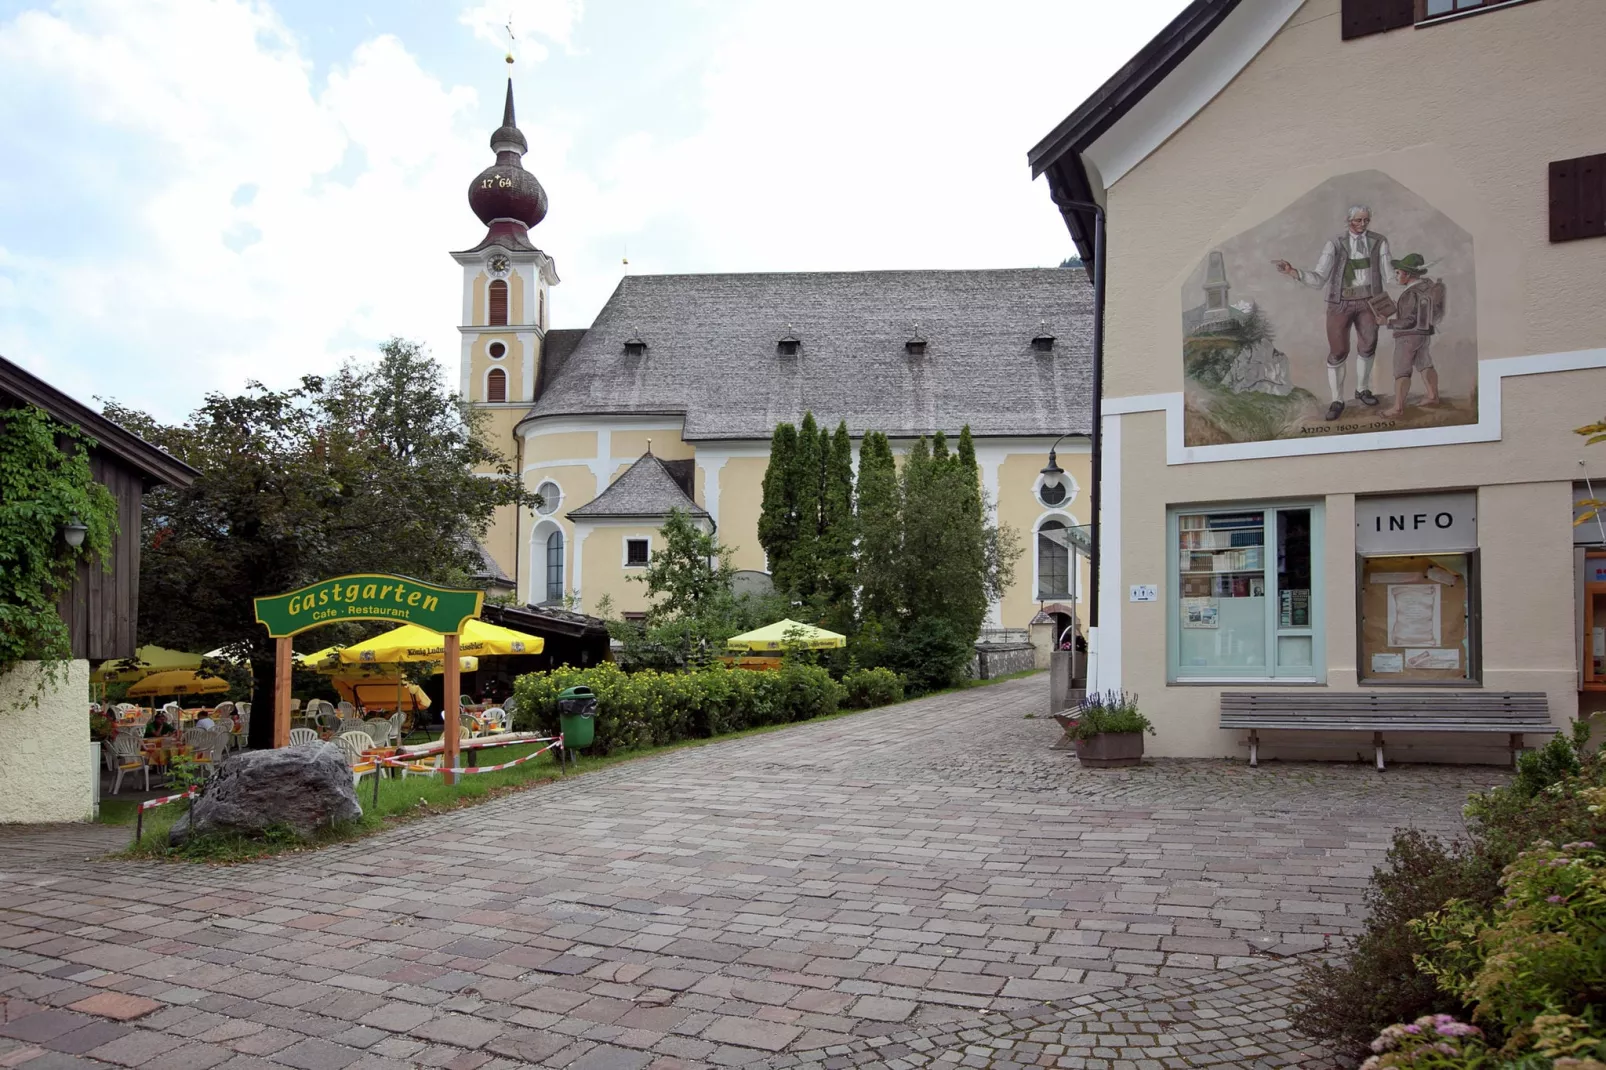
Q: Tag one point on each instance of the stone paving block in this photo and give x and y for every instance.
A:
(116, 1005)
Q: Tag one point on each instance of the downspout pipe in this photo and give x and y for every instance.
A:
(1068, 208)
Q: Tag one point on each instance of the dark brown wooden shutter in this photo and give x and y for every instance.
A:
(498, 316)
(1363, 17)
(1578, 198)
(496, 385)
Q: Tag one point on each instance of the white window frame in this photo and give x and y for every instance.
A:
(624, 551)
(1318, 602)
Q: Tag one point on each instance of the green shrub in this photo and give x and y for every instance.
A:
(1108, 711)
(651, 708)
(929, 654)
(871, 687)
(1470, 928)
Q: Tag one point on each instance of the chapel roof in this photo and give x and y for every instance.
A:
(645, 489)
(711, 353)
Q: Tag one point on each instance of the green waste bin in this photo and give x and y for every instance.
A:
(577, 713)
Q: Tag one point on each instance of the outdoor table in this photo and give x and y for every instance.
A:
(159, 751)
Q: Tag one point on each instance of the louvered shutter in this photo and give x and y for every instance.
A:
(1363, 17)
(496, 385)
(1578, 198)
(498, 303)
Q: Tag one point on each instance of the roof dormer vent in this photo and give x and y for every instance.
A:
(634, 346)
(1043, 342)
(788, 343)
(916, 345)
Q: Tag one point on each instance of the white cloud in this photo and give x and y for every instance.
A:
(529, 22)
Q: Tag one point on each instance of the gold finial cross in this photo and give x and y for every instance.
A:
(508, 26)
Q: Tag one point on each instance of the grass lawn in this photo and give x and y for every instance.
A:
(415, 797)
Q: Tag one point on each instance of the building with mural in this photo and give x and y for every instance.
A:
(1343, 373)
(668, 400)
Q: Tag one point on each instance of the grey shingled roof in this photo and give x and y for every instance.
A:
(489, 570)
(645, 489)
(711, 352)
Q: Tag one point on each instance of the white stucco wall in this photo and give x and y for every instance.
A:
(45, 773)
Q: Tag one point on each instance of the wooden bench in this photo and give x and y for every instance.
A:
(1513, 713)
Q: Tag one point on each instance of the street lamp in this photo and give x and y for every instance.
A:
(74, 531)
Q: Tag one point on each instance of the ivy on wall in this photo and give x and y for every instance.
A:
(45, 485)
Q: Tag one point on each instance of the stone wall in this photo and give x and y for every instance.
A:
(999, 659)
(45, 774)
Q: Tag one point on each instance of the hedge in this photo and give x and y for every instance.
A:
(649, 708)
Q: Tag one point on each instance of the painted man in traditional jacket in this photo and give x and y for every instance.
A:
(1416, 316)
(1351, 270)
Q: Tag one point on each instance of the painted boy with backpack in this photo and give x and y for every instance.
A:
(1417, 313)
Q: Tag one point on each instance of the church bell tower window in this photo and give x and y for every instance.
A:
(498, 303)
(496, 385)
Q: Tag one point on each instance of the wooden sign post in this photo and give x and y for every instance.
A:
(395, 599)
(451, 718)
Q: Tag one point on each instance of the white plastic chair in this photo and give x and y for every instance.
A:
(352, 745)
(304, 737)
(495, 720)
(379, 729)
(129, 758)
(206, 745)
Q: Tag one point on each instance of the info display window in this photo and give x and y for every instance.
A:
(1417, 592)
(1244, 601)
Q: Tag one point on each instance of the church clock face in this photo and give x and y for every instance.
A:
(497, 264)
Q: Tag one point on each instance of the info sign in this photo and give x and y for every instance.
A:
(369, 597)
(1416, 523)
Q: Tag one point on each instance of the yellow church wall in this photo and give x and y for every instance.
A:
(603, 573)
(741, 494)
(512, 363)
(559, 446)
(666, 444)
(477, 316)
(515, 298)
(1019, 507)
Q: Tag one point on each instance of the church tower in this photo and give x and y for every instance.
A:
(506, 282)
(507, 286)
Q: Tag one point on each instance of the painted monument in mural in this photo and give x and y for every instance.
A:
(1351, 310)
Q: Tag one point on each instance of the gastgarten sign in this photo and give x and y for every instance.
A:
(369, 597)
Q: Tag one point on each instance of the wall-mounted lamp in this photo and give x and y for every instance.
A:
(74, 532)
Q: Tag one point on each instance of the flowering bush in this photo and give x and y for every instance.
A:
(1432, 1042)
(1108, 711)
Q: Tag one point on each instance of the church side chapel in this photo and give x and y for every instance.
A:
(669, 399)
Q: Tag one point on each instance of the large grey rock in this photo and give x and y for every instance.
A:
(303, 788)
(1261, 369)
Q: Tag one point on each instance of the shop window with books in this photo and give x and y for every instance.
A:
(1246, 601)
(1417, 589)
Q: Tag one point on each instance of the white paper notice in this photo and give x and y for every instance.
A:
(1388, 663)
(1433, 659)
(1414, 614)
(1441, 575)
(1394, 577)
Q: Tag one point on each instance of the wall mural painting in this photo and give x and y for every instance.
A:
(1351, 310)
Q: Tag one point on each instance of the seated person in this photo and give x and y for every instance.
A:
(205, 721)
(161, 725)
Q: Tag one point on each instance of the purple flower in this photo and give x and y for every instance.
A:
(1413, 1028)
(1555, 899)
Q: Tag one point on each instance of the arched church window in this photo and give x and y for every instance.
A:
(498, 303)
(1053, 560)
(496, 385)
(554, 567)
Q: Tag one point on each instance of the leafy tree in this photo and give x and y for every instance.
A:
(777, 519)
(369, 469)
(880, 529)
(688, 574)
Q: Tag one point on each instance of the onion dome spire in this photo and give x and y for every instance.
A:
(505, 196)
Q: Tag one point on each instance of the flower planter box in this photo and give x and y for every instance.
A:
(1111, 749)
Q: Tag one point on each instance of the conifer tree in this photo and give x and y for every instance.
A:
(777, 519)
(921, 564)
(837, 530)
(880, 525)
(808, 467)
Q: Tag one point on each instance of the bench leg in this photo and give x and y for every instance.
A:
(1254, 748)
(1516, 748)
(1377, 743)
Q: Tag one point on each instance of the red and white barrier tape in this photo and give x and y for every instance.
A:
(148, 803)
(413, 765)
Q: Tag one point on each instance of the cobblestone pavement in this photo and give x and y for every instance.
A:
(924, 885)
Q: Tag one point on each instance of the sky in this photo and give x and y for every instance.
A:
(195, 194)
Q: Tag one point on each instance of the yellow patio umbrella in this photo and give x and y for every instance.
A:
(146, 660)
(413, 643)
(177, 682)
(787, 633)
